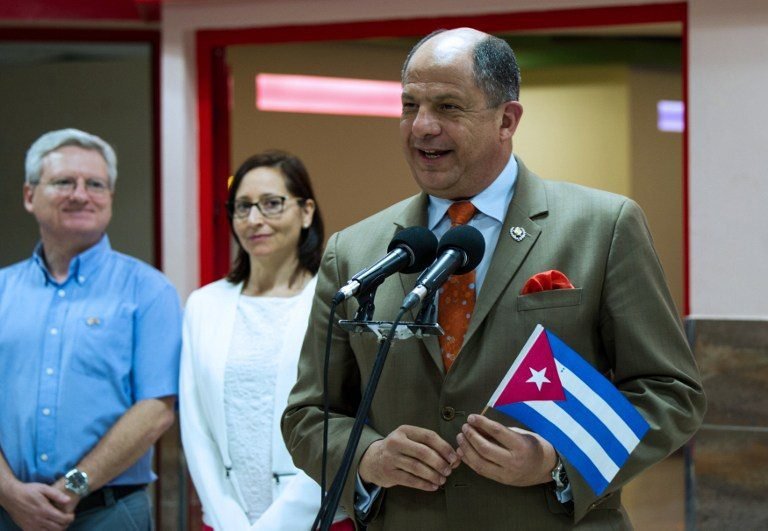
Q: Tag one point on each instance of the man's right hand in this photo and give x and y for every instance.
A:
(36, 506)
(409, 456)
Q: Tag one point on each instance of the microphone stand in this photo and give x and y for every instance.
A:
(425, 324)
(331, 500)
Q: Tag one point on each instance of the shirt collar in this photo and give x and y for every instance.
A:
(493, 201)
(82, 266)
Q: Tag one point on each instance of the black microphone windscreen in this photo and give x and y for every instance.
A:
(467, 239)
(421, 243)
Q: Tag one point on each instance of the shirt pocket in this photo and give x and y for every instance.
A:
(103, 344)
(555, 298)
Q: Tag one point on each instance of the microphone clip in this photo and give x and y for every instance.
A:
(365, 305)
(428, 312)
(425, 324)
(405, 330)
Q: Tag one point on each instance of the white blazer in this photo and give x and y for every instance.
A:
(209, 320)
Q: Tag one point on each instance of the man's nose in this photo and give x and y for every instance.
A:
(81, 191)
(426, 123)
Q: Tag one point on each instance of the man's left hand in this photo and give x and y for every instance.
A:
(511, 456)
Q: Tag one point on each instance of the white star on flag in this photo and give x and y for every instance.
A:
(538, 377)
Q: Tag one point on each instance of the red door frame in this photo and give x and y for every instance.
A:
(213, 116)
(91, 35)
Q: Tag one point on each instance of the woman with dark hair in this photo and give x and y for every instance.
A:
(242, 337)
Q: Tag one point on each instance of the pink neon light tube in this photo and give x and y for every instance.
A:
(327, 95)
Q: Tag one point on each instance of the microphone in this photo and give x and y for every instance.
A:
(411, 250)
(460, 251)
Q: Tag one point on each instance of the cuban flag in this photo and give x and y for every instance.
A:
(553, 391)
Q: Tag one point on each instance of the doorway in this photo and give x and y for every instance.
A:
(612, 87)
(103, 82)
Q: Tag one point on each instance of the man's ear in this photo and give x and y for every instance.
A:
(512, 112)
(29, 192)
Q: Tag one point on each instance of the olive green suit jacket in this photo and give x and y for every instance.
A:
(620, 317)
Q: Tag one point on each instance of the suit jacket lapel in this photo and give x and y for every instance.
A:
(414, 214)
(529, 200)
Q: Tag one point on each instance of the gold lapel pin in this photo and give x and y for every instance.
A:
(93, 321)
(517, 233)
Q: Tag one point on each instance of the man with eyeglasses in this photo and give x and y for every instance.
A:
(89, 353)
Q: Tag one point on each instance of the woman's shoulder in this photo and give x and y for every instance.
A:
(310, 286)
(307, 293)
(213, 292)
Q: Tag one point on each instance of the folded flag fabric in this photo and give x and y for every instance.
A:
(557, 394)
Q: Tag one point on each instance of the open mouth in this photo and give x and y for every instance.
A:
(433, 154)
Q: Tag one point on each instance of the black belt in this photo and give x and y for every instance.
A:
(106, 496)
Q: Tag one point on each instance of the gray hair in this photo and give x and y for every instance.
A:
(495, 68)
(53, 140)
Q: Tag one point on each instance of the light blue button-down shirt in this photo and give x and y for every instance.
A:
(76, 355)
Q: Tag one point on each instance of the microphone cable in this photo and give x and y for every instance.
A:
(331, 500)
(326, 398)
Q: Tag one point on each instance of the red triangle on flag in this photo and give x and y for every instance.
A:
(536, 377)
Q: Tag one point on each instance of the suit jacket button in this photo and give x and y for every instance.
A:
(448, 413)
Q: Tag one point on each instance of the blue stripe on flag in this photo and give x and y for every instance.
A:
(589, 375)
(595, 427)
(559, 440)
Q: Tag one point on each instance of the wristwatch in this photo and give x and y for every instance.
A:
(559, 476)
(76, 481)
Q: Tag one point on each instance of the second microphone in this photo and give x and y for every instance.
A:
(460, 250)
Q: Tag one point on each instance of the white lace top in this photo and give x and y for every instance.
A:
(249, 389)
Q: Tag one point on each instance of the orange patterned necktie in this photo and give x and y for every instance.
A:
(457, 297)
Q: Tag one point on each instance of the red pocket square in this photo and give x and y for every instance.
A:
(545, 281)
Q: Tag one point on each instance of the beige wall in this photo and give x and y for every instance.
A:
(656, 166)
(596, 126)
(593, 125)
(355, 162)
(575, 125)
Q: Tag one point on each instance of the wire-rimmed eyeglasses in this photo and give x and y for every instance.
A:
(67, 185)
(270, 206)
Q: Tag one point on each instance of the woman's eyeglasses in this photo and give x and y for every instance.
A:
(270, 206)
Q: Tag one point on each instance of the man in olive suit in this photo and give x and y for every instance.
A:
(427, 459)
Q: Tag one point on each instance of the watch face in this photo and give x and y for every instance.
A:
(562, 477)
(77, 482)
(559, 476)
